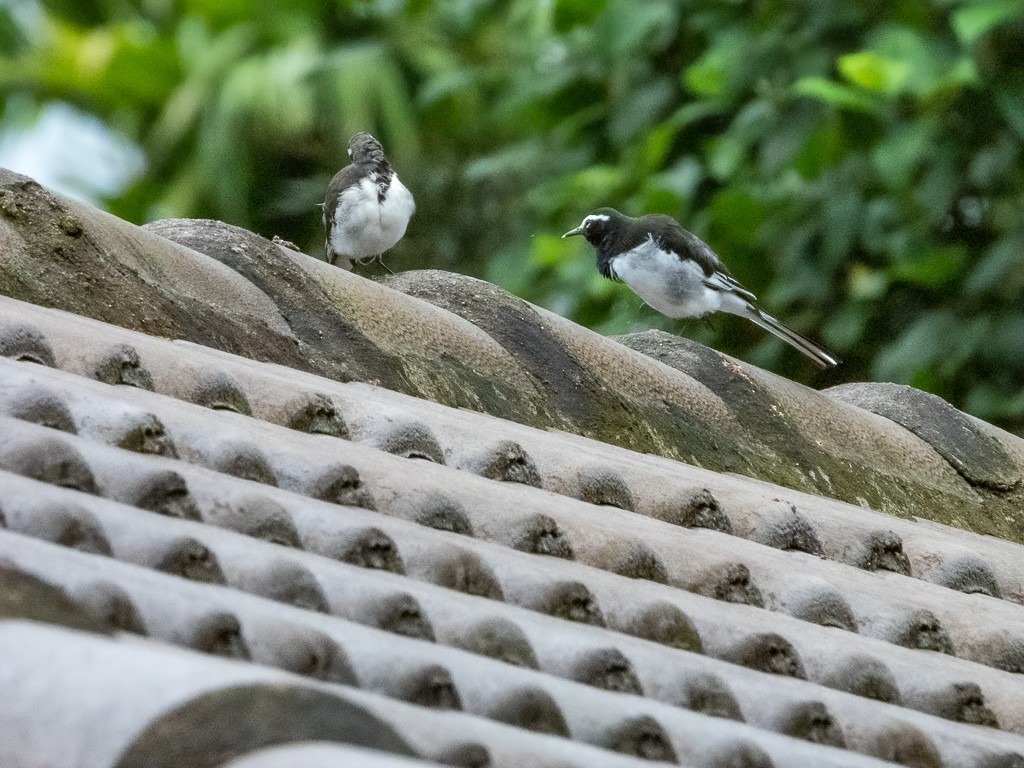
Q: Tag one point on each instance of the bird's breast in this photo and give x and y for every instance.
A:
(366, 223)
(673, 286)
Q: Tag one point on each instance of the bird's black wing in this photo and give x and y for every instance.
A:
(720, 281)
(343, 179)
(685, 244)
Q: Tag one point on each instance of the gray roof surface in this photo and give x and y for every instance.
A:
(280, 559)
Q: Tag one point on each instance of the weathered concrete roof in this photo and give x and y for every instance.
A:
(431, 521)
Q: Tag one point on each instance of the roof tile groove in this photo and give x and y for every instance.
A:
(312, 755)
(23, 341)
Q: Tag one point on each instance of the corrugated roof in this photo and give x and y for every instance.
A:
(432, 535)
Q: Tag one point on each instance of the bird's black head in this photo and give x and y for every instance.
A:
(363, 148)
(598, 226)
(605, 229)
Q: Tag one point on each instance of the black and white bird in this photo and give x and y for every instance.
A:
(367, 208)
(675, 272)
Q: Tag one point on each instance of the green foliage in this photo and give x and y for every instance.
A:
(857, 164)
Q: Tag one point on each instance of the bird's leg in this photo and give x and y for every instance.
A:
(366, 261)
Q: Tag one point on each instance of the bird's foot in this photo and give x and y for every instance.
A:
(368, 260)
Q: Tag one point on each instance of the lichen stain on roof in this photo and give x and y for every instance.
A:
(343, 522)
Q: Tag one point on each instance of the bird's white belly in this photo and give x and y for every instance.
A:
(672, 286)
(365, 227)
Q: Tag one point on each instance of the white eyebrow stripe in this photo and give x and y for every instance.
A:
(596, 217)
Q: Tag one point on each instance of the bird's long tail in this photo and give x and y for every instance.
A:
(788, 335)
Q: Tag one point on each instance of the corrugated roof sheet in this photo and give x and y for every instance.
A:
(465, 562)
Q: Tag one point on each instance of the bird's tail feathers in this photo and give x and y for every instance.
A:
(787, 334)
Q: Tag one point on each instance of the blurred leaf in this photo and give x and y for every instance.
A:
(994, 165)
(932, 269)
(834, 94)
(695, 111)
(921, 345)
(974, 20)
(594, 187)
(925, 379)
(1010, 100)
(989, 402)
(628, 28)
(848, 325)
(671, 191)
(446, 85)
(548, 250)
(640, 109)
(735, 217)
(707, 76)
(78, 12)
(13, 39)
(874, 72)
(654, 148)
(509, 161)
(999, 270)
(568, 13)
(824, 149)
(913, 62)
(844, 215)
(1006, 339)
(207, 60)
(790, 135)
(660, 200)
(683, 177)
(881, 224)
(866, 284)
(725, 154)
(901, 154)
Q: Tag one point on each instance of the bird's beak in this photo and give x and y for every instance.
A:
(571, 232)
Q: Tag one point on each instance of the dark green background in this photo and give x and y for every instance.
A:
(858, 164)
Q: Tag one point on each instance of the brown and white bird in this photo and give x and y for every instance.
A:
(676, 272)
(367, 208)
